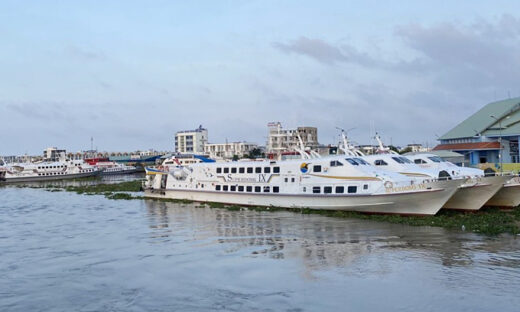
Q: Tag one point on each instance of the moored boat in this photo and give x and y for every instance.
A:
(332, 183)
(48, 170)
(508, 195)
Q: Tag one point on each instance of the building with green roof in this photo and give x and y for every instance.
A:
(488, 136)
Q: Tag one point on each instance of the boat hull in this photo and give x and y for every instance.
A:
(105, 173)
(50, 178)
(474, 197)
(425, 202)
(507, 196)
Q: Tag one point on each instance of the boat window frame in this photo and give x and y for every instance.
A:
(351, 161)
(316, 190)
(352, 189)
(380, 162)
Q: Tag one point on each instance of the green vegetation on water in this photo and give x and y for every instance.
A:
(489, 221)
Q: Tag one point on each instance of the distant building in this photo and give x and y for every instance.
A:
(228, 150)
(191, 141)
(488, 135)
(281, 140)
(53, 153)
(367, 149)
(417, 148)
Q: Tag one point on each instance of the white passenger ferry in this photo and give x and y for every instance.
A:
(472, 195)
(113, 168)
(43, 171)
(501, 189)
(334, 183)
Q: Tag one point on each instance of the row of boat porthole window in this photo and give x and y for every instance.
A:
(351, 189)
(248, 170)
(51, 167)
(247, 188)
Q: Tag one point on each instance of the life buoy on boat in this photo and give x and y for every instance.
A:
(389, 184)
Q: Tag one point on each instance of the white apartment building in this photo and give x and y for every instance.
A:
(53, 153)
(228, 150)
(418, 148)
(191, 141)
(281, 140)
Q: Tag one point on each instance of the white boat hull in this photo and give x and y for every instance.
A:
(424, 202)
(49, 178)
(507, 196)
(474, 197)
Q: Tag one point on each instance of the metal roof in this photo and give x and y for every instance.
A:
(481, 123)
(478, 146)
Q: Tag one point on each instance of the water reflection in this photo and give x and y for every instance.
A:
(327, 242)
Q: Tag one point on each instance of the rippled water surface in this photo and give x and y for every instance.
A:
(62, 251)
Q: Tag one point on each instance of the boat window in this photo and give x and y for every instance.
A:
(365, 186)
(276, 169)
(286, 180)
(398, 160)
(352, 189)
(316, 168)
(361, 161)
(316, 189)
(240, 188)
(335, 163)
(276, 189)
(380, 162)
(226, 170)
(225, 188)
(436, 159)
(266, 189)
(340, 189)
(233, 188)
(249, 169)
(258, 189)
(304, 189)
(267, 169)
(419, 161)
(217, 187)
(249, 188)
(241, 170)
(351, 161)
(258, 170)
(292, 180)
(406, 160)
(234, 170)
(327, 189)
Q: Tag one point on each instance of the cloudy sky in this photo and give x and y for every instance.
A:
(132, 73)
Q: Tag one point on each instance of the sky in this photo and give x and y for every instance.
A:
(132, 73)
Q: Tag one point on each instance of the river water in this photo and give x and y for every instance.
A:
(61, 251)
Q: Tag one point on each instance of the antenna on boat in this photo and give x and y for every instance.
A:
(382, 149)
